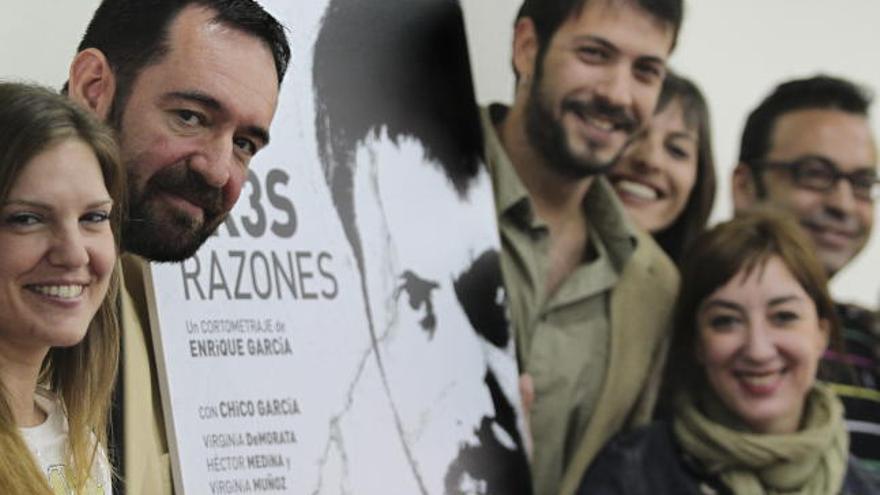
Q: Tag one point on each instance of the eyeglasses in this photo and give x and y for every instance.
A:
(820, 174)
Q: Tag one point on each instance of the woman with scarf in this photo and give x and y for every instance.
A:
(748, 418)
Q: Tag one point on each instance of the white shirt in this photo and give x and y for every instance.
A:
(48, 443)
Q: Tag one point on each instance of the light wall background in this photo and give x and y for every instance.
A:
(735, 50)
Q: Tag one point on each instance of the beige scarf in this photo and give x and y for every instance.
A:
(811, 461)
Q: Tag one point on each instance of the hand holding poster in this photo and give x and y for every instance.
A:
(345, 330)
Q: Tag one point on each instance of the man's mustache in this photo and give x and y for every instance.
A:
(619, 117)
(183, 182)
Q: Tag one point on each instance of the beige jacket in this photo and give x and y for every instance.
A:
(641, 311)
(147, 469)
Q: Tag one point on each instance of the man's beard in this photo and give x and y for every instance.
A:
(178, 236)
(152, 231)
(546, 134)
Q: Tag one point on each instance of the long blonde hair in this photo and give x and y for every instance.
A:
(32, 120)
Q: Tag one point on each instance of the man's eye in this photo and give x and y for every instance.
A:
(864, 181)
(648, 72)
(812, 168)
(813, 172)
(190, 118)
(246, 145)
(593, 54)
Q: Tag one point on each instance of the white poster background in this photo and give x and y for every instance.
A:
(272, 376)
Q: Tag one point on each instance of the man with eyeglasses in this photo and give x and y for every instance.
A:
(808, 149)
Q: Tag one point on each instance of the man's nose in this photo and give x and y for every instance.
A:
(214, 161)
(840, 199)
(616, 87)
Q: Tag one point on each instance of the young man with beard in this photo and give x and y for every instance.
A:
(191, 88)
(808, 149)
(590, 296)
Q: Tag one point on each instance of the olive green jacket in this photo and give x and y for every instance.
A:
(639, 313)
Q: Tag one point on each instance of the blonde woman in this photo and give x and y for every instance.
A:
(61, 185)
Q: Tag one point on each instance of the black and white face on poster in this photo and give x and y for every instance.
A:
(345, 330)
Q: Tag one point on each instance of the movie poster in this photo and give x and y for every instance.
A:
(345, 331)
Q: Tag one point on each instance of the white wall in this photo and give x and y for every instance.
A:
(39, 37)
(736, 50)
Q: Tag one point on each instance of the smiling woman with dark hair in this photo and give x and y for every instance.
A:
(753, 319)
(666, 177)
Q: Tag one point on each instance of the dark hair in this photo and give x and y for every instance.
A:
(746, 243)
(820, 92)
(692, 220)
(401, 66)
(33, 120)
(133, 34)
(548, 15)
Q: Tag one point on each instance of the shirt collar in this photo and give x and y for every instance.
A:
(610, 222)
(511, 196)
(604, 211)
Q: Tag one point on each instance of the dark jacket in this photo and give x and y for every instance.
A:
(649, 461)
(854, 375)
